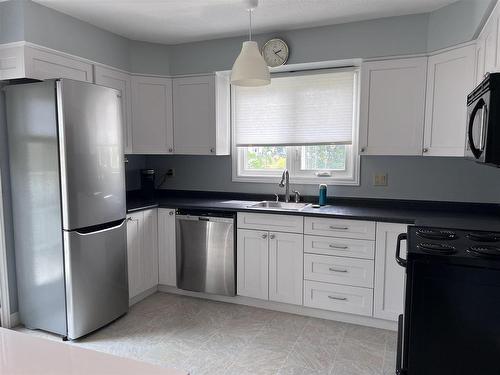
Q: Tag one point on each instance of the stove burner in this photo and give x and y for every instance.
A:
(484, 236)
(485, 251)
(436, 234)
(437, 248)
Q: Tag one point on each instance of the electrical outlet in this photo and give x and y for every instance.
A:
(380, 179)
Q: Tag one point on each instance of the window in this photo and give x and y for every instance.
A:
(305, 122)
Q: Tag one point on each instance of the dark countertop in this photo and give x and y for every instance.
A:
(473, 216)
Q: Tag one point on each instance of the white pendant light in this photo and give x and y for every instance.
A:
(250, 69)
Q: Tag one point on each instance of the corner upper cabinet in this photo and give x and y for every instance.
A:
(201, 115)
(120, 81)
(152, 127)
(392, 106)
(450, 78)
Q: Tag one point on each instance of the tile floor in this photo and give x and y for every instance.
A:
(206, 337)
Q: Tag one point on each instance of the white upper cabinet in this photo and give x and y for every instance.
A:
(388, 300)
(166, 247)
(450, 78)
(152, 128)
(197, 128)
(392, 106)
(119, 81)
(42, 65)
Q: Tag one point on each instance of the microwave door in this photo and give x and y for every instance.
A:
(476, 129)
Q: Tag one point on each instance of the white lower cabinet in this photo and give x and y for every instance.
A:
(285, 267)
(167, 274)
(342, 298)
(142, 251)
(252, 263)
(389, 276)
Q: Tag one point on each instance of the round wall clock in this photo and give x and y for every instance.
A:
(275, 52)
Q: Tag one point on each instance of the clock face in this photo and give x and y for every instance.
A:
(275, 52)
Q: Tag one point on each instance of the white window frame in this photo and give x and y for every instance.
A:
(349, 177)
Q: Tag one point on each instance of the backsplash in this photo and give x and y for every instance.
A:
(419, 178)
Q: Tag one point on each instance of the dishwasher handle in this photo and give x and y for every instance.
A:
(215, 219)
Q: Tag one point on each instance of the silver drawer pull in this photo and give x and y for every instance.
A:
(336, 270)
(338, 298)
(338, 228)
(338, 247)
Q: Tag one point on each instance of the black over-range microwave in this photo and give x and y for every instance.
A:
(483, 122)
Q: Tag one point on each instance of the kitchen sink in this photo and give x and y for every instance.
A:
(273, 205)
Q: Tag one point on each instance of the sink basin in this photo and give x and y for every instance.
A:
(272, 205)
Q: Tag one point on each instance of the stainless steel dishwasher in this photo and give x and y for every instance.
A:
(205, 252)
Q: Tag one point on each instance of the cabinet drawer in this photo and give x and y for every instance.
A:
(271, 222)
(347, 299)
(345, 247)
(364, 230)
(338, 270)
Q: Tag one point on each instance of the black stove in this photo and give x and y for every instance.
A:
(455, 245)
(451, 320)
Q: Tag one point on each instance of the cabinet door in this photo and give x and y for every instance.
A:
(119, 81)
(446, 107)
(286, 262)
(166, 247)
(149, 270)
(152, 129)
(45, 65)
(134, 251)
(194, 115)
(480, 68)
(252, 263)
(392, 106)
(389, 276)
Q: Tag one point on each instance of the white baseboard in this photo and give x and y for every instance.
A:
(15, 320)
(142, 295)
(292, 309)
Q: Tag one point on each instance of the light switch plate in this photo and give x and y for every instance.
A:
(380, 179)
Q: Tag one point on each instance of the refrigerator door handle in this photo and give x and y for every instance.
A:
(99, 229)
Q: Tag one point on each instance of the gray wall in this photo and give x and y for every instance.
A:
(457, 23)
(11, 21)
(381, 37)
(9, 233)
(421, 178)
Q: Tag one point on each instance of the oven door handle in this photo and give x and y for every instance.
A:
(402, 262)
(399, 355)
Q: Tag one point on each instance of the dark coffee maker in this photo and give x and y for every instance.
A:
(148, 183)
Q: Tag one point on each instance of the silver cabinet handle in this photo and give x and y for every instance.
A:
(425, 150)
(212, 150)
(338, 298)
(338, 247)
(129, 219)
(336, 270)
(264, 236)
(170, 149)
(482, 134)
(171, 213)
(338, 228)
(272, 236)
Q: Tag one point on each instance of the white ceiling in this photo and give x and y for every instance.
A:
(179, 21)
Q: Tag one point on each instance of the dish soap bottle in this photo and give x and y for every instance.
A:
(322, 194)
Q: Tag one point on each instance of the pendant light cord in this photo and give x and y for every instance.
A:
(250, 24)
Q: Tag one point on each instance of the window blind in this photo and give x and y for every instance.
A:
(296, 110)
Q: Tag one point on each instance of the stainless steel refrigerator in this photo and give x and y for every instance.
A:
(68, 197)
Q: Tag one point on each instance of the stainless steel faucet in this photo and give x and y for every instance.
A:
(285, 182)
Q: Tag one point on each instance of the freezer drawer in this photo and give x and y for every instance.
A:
(96, 278)
(91, 154)
(205, 254)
